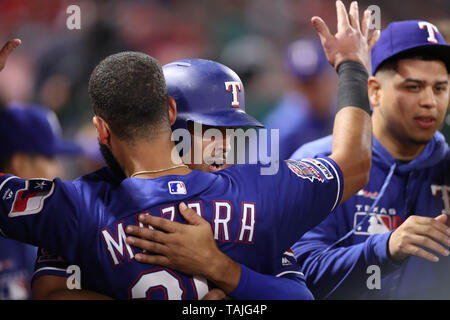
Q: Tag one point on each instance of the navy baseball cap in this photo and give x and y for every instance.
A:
(410, 36)
(306, 59)
(32, 129)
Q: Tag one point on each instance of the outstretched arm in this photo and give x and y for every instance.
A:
(349, 52)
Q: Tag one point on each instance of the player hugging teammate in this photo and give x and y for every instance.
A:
(240, 224)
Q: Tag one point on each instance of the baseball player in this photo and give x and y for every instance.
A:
(16, 259)
(27, 155)
(204, 100)
(130, 101)
(399, 222)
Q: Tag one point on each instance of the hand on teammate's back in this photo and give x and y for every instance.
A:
(184, 247)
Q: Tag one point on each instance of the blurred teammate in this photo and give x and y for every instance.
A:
(30, 140)
(400, 221)
(306, 112)
(132, 85)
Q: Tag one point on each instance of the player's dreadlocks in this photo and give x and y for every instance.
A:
(128, 91)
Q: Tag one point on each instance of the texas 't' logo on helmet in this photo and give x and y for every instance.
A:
(234, 87)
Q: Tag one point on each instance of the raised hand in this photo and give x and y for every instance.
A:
(352, 40)
(6, 51)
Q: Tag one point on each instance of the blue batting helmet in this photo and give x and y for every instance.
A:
(207, 92)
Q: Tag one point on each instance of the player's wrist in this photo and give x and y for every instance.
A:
(352, 87)
(224, 272)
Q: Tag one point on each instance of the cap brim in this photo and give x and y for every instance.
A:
(232, 118)
(440, 51)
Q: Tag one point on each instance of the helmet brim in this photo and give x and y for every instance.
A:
(232, 118)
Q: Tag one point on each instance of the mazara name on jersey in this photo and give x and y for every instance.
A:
(117, 248)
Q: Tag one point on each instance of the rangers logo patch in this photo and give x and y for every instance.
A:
(30, 200)
(304, 170)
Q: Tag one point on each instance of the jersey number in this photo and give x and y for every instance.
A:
(170, 283)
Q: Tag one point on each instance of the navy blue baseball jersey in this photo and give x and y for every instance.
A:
(254, 218)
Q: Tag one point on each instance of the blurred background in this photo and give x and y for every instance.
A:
(53, 65)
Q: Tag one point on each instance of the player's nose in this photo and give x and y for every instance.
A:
(428, 98)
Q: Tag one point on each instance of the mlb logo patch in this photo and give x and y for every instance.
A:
(177, 187)
(375, 223)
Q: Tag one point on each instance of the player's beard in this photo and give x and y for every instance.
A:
(111, 161)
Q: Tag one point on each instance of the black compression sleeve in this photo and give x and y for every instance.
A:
(352, 87)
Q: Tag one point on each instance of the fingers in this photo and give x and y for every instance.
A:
(342, 18)
(354, 15)
(423, 237)
(374, 38)
(420, 242)
(150, 246)
(10, 46)
(14, 43)
(421, 253)
(159, 223)
(153, 259)
(215, 294)
(6, 51)
(445, 220)
(432, 245)
(321, 28)
(430, 224)
(190, 215)
(431, 230)
(365, 23)
(147, 234)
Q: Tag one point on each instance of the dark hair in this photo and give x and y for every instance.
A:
(129, 92)
(391, 64)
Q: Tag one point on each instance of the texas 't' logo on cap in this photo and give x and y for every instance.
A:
(432, 30)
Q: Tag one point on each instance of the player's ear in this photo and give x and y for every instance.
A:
(172, 110)
(103, 131)
(374, 91)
